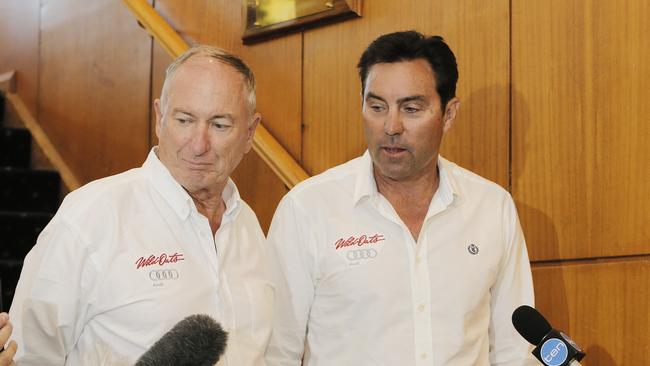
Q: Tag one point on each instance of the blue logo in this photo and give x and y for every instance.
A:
(554, 352)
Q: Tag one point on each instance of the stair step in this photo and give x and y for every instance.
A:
(15, 147)
(9, 274)
(29, 190)
(19, 231)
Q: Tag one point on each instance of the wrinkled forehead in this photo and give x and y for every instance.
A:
(204, 73)
(412, 77)
(207, 68)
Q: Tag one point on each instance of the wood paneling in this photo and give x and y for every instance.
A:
(94, 85)
(477, 32)
(19, 27)
(277, 66)
(581, 161)
(603, 306)
(580, 165)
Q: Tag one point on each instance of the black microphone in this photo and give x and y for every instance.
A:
(197, 340)
(552, 347)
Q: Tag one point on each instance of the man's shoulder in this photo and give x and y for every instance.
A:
(471, 182)
(104, 189)
(248, 219)
(339, 178)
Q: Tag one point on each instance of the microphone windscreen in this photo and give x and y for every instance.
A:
(197, 340)
(530, 324)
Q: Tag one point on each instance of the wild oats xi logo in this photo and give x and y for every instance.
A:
(358, 241)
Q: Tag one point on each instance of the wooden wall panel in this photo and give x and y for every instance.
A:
(277, 66)
(19, 29)
(603, 306)
(477, 31)
(581, 161)
(94, 85)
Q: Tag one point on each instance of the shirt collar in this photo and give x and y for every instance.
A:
(175, 194)
(366, 186)
(448, 187)
(232, 199)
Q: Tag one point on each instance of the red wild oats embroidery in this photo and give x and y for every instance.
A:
(360, 241)
(159, 260)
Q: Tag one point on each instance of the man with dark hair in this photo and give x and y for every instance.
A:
(400, 257)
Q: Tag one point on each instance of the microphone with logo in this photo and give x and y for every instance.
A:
(552, 347)
(197, 340)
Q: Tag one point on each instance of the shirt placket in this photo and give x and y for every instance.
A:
(421, 285)
(208, 245)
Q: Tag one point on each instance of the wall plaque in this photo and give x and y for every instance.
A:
(267, 19)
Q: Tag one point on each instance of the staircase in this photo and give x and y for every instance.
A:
(28, 200)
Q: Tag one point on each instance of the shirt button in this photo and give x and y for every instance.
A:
(421, 309)
(418, 260)
(423, 356)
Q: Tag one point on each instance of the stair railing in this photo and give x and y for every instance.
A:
(40, 137)
(264, 144)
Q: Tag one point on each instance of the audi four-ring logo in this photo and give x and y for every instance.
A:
(163, 274)
(358, 254)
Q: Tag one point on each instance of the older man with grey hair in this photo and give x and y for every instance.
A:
(128, 256)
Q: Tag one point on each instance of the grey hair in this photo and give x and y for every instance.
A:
(220, 55)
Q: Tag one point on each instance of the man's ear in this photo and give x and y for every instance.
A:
(450, 114)
(157, 109)
(250, 133)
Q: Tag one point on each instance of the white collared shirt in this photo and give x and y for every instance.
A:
(354, 287)
(127, 257)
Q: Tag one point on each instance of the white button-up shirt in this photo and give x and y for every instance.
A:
(355, 288)
(126, 258)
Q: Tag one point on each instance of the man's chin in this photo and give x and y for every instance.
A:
(194, 183)
(393, 172)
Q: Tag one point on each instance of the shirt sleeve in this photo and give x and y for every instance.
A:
(293, 264)
(513, 288)
(48, 308)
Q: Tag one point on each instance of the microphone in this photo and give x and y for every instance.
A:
(197, 340)
(552, 347)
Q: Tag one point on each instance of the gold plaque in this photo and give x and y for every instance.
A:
(271, 18)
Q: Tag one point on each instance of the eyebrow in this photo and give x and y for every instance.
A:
(372, 95)
(411, 98)
(227, 116)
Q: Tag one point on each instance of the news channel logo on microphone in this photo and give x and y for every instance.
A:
(554, 352)
(557, 349)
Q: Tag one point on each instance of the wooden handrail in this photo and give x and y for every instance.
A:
(52, 154)
(264, 144)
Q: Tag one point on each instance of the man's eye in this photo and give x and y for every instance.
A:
(377, 108)
(220, 126)
(411, 110)
(182, 120)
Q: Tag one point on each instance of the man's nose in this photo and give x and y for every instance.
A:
(200, 140)
(393, 124)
